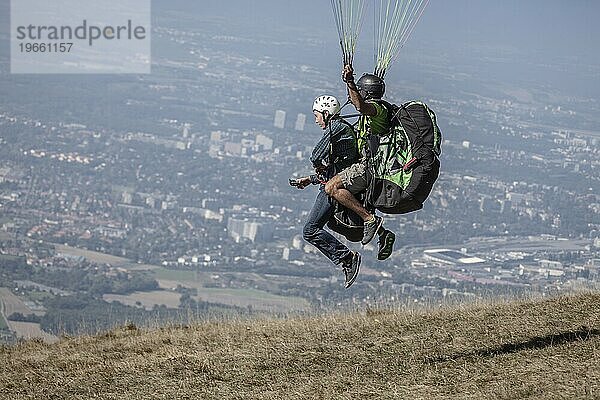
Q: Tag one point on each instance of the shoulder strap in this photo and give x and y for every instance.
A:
(393, 112)
(348, 124)
(344, 122)
(332, 136)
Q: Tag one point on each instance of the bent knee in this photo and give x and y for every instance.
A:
(329, 188)
(333, 185)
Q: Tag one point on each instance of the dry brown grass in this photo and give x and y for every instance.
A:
(526, 349)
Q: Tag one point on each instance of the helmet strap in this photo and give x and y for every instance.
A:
(326, 118)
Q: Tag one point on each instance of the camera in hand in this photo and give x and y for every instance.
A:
(294, 182)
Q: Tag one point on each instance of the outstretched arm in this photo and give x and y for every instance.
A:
(357, 100)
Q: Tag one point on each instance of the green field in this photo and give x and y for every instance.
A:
(92, 256)
(174, 275)
(102, 258)
(252, 293)
(9, 258)
(257, 299)
(147, 299)
(39, 297)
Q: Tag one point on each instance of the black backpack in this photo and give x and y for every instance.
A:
(403, 164)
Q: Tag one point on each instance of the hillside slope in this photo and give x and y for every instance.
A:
(535, 349)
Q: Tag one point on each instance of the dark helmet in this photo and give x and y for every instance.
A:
(371, 86)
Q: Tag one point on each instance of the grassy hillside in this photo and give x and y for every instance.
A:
(535, 349)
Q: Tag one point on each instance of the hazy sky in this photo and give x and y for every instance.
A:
(467, 34)
(561, 26)
(536, 32)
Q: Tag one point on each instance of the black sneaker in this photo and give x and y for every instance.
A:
(351, 269)
(370, 229)
(386, 244)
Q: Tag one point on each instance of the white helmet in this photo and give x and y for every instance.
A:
(327, 103)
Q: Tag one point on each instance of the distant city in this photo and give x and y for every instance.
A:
(168, 192)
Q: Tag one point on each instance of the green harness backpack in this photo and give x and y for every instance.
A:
(403, 164)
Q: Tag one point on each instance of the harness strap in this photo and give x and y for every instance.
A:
(332, 136)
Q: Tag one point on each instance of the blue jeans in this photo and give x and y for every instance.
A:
(314, 233)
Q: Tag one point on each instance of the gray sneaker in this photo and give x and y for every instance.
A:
(370, 229)
(351, 269)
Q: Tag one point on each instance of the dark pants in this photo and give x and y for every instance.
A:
(314, 233)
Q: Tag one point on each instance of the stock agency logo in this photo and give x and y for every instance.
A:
(80, 36)
(89, 33)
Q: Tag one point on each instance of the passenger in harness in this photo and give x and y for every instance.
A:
(352, 181)
(335, 151)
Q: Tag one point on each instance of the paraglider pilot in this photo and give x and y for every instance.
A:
(353, 180)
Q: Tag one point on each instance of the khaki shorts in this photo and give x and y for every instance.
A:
(354, 178)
